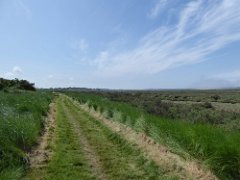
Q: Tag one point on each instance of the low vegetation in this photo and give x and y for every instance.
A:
(21, 120)
(185, 106)
(216, 147)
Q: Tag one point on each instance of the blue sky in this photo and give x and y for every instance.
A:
(127, 44)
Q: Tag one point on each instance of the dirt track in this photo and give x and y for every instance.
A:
(41, 153)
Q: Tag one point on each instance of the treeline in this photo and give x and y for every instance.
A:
(6, 84)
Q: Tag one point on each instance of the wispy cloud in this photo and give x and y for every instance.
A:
(81, 45)
(223, 80)
(203, 27)
(233, 76)
(102, 59)
(24, 8)
(15, 72)
(155, 11)
(50, 76)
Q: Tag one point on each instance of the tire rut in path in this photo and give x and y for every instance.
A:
(92, 158)
(185, 169)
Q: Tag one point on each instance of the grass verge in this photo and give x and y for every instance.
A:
(21, 120)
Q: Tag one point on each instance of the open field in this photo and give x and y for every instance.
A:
(91, 135)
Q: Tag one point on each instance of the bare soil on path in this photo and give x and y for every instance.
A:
(41, 153)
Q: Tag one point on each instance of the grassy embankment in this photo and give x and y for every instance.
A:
(21, 120)
(217, 148)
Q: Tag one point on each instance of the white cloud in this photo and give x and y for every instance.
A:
(102, 59)
(203, 28)
(16, 71)
(50, 76)
(155, 11)
(70, 78)
(81, 45)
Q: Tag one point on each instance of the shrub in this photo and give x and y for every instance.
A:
(215, 97)
(207, 105)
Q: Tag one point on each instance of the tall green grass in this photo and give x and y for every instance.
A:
(218, 149)
(21, 120)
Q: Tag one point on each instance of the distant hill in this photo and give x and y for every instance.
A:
(6, 84)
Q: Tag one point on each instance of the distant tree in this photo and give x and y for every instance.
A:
(23, 84)
(3, 83)
(16, 83)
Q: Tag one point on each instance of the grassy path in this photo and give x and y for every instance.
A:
(85, 148)
(92, 159)
(68, 161)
